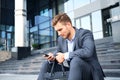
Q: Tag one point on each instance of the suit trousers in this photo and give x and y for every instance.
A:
(78, 69)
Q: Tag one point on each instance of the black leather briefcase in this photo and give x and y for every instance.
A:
(61, 75)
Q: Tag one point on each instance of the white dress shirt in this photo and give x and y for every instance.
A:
(70, 44)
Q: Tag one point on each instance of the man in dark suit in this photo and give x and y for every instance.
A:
(77, 47)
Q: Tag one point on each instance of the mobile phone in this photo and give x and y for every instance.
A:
(46, 55)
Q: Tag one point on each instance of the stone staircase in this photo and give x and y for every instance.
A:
(108, 55)
(29, 65)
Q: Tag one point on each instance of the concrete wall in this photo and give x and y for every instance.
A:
(97, 5)
(4, 55)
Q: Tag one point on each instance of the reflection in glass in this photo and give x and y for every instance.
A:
(8, 35)
(44, 25)
(2, 34)
(40, 19)
(45, 32)
(9, 28)
(9, 44)
(41, 31)
(33, 29)
(2, 27)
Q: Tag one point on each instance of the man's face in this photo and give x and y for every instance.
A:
(63, 30)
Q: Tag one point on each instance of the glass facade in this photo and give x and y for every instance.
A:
(41, 31)
(96, 21)
(108, 13)
(40, 14)
(71, 5)
(92, 22)
(6, 37)
(6, 24)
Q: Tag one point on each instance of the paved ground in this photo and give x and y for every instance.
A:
(32, 77)
(17, 77)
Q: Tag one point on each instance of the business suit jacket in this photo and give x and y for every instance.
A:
(84, 48)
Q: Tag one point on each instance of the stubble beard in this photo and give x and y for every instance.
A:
(68, 36)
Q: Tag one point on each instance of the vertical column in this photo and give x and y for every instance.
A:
(20, 23)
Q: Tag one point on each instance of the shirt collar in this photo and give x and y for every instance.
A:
(71, 39)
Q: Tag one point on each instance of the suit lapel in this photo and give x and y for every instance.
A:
(75, 40)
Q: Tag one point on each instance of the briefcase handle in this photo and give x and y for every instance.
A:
(52, 69)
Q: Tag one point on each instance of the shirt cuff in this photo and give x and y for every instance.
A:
(66, 56)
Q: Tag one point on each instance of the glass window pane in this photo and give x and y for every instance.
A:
(85, 22)
(115, 11)
(2, 34)
(33, 29)
(96, 21)
(60, 6)
(77, 23)
(71, 15)
(2, 27)
(44, 35)
(40, 19)
(97, 24)
(9, 28)
(44, 25)
(8, 35)
(46, 13)
(68, 6)
(45, 32)
(35, 35)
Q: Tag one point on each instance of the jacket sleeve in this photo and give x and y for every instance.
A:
(58, 49)
(87, 47)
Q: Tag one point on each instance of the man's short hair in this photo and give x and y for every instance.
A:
(62, 18)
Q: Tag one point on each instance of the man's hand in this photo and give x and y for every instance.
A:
(60, 57)
(50, 57)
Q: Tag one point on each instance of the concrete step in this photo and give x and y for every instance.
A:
(109, 56)
(34, 77)
(111, 66)
(108, 51)
(34, 67)
(20, 71)
(112, 72)
(110, 61)
(18, 77)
